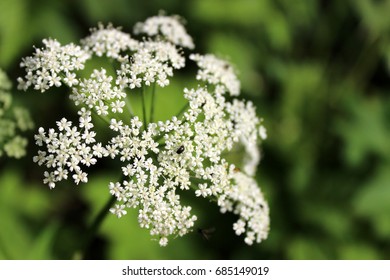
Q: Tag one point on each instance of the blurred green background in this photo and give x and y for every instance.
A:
(318, 72)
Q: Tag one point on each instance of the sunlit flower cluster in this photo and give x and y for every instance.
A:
(68, 147)
(14, 120)
(170, 28)
(160, 159)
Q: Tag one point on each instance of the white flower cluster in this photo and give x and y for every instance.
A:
(52, 65)
(154, 61)
(97, 93)
(170, 28)
(67, 149)
(217, 72)
(109, 41)
(159, 159)
(13, 121)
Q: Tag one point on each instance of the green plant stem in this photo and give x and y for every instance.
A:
(128, 105)
(103, 118)
(97, 222)
(153, 102)
(143, 106)
(182, 110)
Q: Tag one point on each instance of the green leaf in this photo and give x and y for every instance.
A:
(304, 248)
(356, 251)
(13, 19)
(374, 15)
(41, 247)
(333, 221)
(262, 17)
(365, 131)
(19, 203)
(15, 237)
(372, 201)
(13, 189)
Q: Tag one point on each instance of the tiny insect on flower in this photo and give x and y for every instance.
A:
(180, 150)
(206, 232)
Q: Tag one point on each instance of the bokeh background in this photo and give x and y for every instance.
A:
(318, 72)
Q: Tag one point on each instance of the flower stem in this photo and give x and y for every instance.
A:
(143, 106)
(103, 118)
(153, 102)
(128, 105)
(97, 222)
(185, 107)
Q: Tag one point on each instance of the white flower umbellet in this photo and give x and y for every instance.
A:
(159, 159)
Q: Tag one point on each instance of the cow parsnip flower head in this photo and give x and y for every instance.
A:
(188, 152)
(14, 120)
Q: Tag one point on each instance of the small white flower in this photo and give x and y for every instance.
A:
(118, 210)
(49, 179)
(163, 241)
(80, 177)
(239, 227)
(70, 79)
(262, 132)
(63, 124)
(203, 190)
(115, 189)
(117, 106)
(40, 137)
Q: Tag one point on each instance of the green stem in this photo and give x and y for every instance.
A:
(143, 107)
(103, 118)
(153, 102)
(182, 110)
(128, 105)
(97, 222)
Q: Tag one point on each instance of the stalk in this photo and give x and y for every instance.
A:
(143, 107)
(97, 222)
(153, 103)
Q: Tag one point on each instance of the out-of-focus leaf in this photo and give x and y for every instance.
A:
(18, 26)
(302, 248)
(356, 251)
(262, 16)
(35, 200)
(302, 12)
(245, 12)
(300, 97)
(366, 131)
(332, 220)
(41, 247)
(374, 15)
(13, 15)
(372, 201)
(15, 237)
(111, 11)
(61, 27)
(16, 203)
